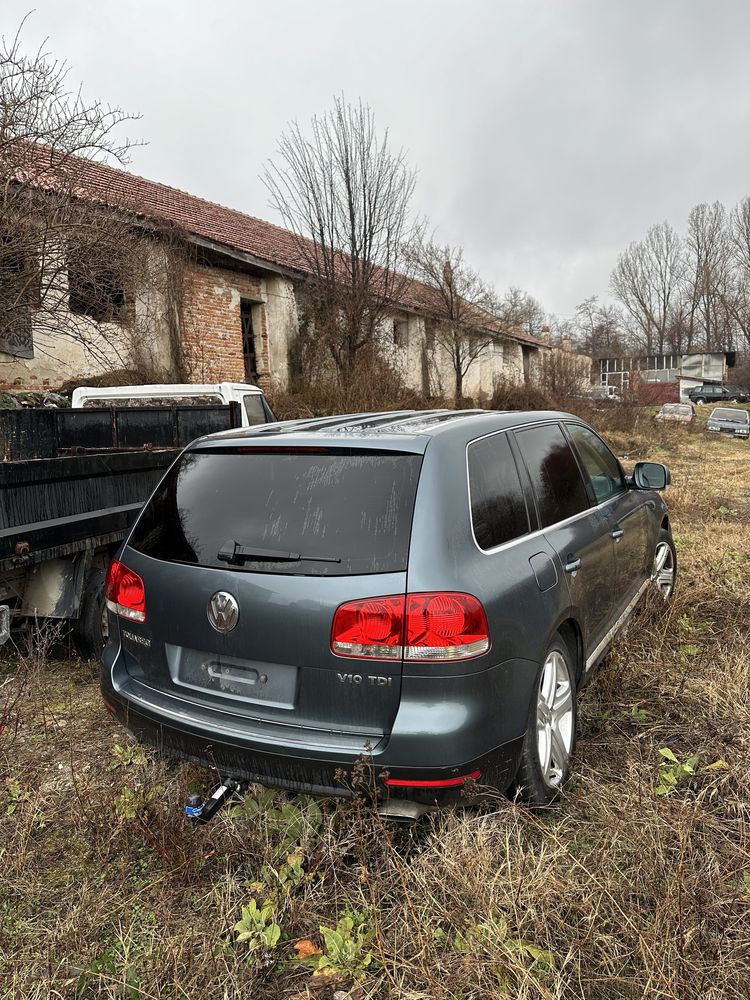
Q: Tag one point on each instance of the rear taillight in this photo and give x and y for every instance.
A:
(126, 595)
(371, 628)
(439, 626)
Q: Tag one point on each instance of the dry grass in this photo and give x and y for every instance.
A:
(106, 889)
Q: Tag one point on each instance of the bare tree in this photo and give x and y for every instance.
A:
(71, 254)
(708, 249)
(647, 280)
(520, 311)
(345, 196)
(461, 303)
(736, 288)
(599, 329)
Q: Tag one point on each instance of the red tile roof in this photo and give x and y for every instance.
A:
(226, 226)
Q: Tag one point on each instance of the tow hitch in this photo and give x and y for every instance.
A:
(201, 810)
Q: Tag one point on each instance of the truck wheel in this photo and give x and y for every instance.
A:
(91, 630)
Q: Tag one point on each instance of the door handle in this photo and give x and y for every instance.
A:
(572, 564)
(617, 533)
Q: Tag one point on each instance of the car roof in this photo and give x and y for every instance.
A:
(410, 430)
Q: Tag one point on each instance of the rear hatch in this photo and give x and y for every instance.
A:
(290, 533)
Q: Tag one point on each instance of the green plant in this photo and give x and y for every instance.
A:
(259, 929)
(283, 880)
(16, 796)
(493, 940)
(124, 756)
(346, 947)
(672, 773)
(689, 649)
(114, 965)
(290, 823)
(131, 802)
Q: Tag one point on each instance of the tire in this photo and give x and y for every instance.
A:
(90, 630)
(548, 746)
(664, 575)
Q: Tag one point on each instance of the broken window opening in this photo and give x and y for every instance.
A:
(20, 289)
(249, 355)
(94, 290)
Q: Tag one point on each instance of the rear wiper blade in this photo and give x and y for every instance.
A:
(233, 552)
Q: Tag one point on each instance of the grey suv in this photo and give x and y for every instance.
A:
(429, 589)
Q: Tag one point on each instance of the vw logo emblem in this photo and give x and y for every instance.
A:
(223, 611)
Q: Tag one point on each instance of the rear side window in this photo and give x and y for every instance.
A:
(558, 485)
(345, 511)
(498, 509)
(600, 464)
(254, 409)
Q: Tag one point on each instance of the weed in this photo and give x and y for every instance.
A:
(134, 802)
(514, 957)
(15, 796)
(259, 930)
(346, 949)
(126, 756)
(673, 773)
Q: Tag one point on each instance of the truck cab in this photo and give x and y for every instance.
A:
(253, 404)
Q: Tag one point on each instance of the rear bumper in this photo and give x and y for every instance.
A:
(441, 752)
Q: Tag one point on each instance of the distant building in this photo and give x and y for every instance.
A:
(685, 371)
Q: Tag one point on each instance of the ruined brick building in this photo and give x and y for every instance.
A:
(238, 313)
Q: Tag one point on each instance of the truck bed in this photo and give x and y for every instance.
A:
(73, 480)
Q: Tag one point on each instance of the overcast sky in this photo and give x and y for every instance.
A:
(547, 134)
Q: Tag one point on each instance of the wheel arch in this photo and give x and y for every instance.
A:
(571, 633)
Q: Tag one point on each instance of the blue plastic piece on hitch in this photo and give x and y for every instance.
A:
(194, 807)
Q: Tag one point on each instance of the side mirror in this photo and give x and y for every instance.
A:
(651, 476)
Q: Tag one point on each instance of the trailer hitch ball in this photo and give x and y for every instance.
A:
(201, 810)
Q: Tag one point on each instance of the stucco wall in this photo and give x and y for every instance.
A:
(212, 338)
(68, 345)
(61, 356)
(282, 324)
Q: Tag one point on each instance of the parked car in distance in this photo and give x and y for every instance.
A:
(717, 394)
(254, 407)
(602, 396)
(427, 590)
(681, 413)
(727, 420)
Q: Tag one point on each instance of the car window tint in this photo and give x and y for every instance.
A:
(498, 508)
(254, 408)
(600, 464)
(347, 511)
(558, 484)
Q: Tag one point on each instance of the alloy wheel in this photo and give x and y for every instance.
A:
(662, 575)
(554, 719)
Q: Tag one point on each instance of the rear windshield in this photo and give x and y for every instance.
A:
(734, 416)
(344, 511)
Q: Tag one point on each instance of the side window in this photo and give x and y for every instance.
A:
(557, 481)
(498, 508)
(600, 464)
(254, 408)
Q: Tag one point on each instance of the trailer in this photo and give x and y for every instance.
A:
(71, 485)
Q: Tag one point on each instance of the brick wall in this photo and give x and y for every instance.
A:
(212, 328)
